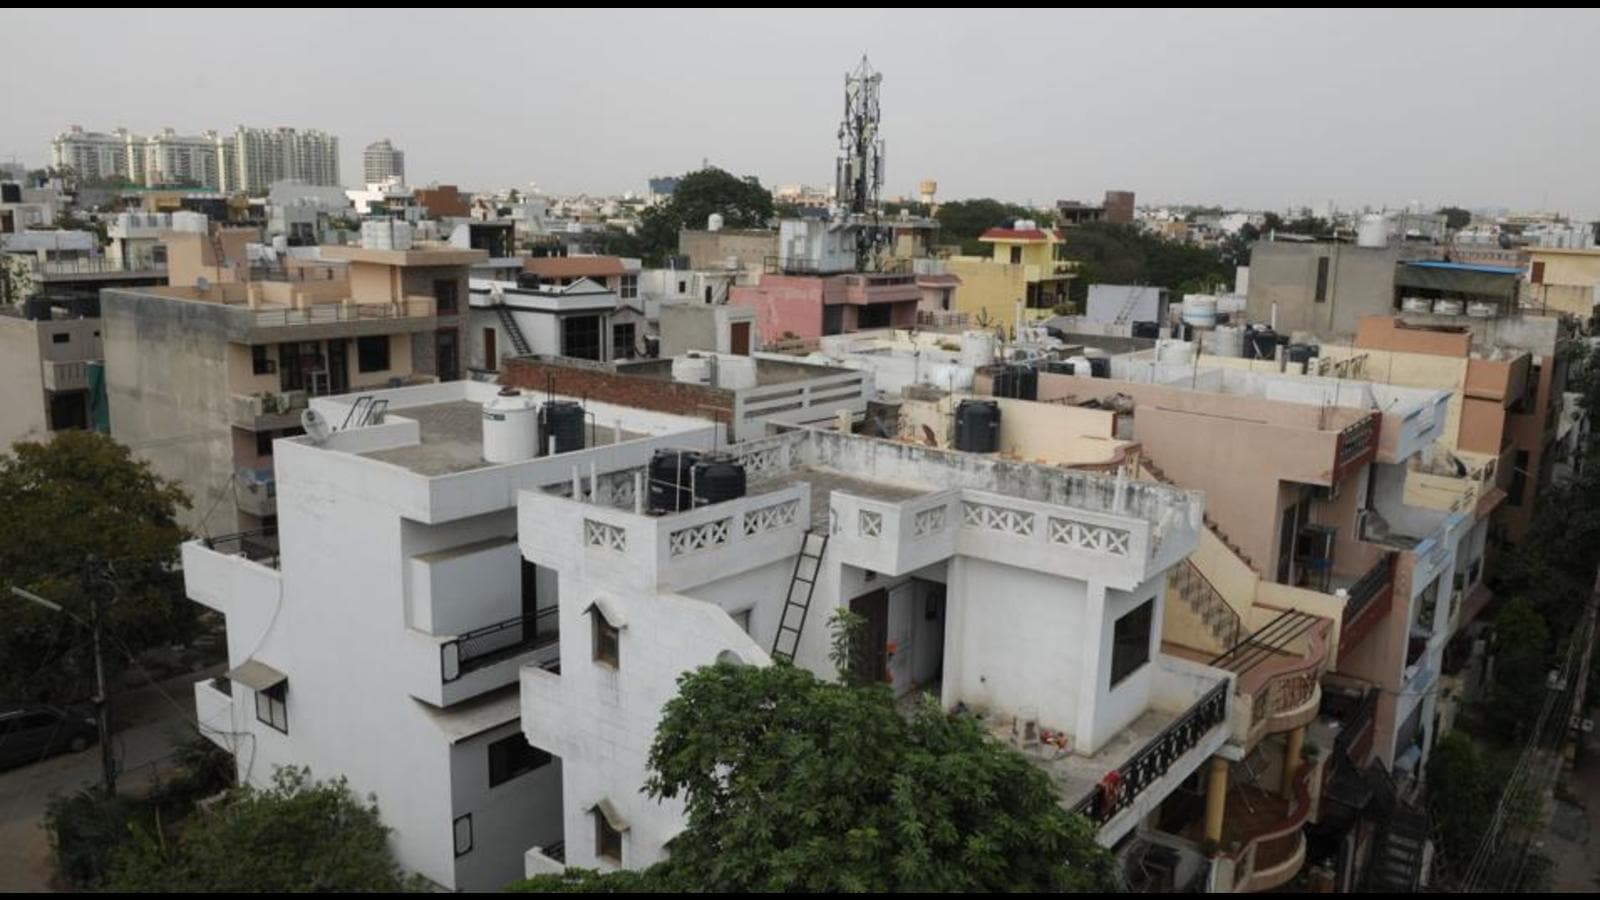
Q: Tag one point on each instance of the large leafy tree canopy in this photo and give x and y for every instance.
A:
(742, 203)
(298, 835)
(1123, 254)
(82, 516)
(963, 221)
(792, 783)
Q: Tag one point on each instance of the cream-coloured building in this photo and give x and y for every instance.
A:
(1563, 279)
(1024, 268)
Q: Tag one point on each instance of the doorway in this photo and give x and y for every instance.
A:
(870, 662)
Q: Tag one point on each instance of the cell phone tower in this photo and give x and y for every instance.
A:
(860, 165)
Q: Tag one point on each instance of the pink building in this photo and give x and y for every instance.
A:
(809, 306)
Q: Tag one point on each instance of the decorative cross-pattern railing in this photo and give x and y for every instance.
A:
(870, 524)
(928, 522)
(1087, 536)
(768, 518)
(1120, 788)
(763, 459)
(493, 643)
(997, 518)
(616, 489)
(604, 535)
(698, 537)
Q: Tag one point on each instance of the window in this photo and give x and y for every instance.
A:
(1016, 255)
(259, 363)
(263, 443)
(1322, 279)
(1537, 275)
(580, 337)
(444, 296)
(372, 353)
(630, 287)
(272, 707)
(512, 756)
(1130, 647)
(607, 640)
(683, 287)
(1519, 479)
(607, 840)
(742, 619)
(622, 342)
(708, 293)
(463, 835)
(60, 337)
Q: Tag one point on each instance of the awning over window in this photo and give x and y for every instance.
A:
(613, 815)
(257, 676)
(609, 610)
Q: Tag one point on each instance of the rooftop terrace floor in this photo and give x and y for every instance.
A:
(452, 439)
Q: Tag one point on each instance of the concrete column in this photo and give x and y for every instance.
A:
(1216, 798)
(1291, 758)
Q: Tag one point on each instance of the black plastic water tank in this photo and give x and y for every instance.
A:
(718, 479)
(10, 192)
(1005, 383)
(669, 480)
(1027, 383)
(36, 308)
(1150, 330)
(978, 426)
(1299, 353)
(562, 420)
(1260, 343)
(1100, 366)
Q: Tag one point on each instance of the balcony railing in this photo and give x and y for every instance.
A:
(66, 376)
(493, 643)
(319, 313)
(97, 265)
(1368, 587)
(259, 546)
(1122, 786)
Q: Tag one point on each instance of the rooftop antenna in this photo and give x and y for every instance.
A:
(859, 182)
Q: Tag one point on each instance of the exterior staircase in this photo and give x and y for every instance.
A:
(1396, 865)
(1205, 602)
(509, 323)
(1155, 471)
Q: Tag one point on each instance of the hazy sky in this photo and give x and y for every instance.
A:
(1256, 109)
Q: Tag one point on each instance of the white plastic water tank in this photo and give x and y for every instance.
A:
(1447, 307)
(510, 427)
(1080, 366)
(1228, 340)
(1416, 305)
(1373, 231)
(977, 348)
(735, 373)
(949, 376)
(189, 222)
(691, 368)
(714, 222)
(1481, 310)
(1170, 351)
(1200, 310)
(280, 244)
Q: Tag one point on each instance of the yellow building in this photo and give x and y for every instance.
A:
(1563, 280)
(1025, 265)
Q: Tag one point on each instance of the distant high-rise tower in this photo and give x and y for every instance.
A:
(265, 156)
(860, 167)
(382, 161)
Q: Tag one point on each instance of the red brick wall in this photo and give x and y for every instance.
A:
(623, 390)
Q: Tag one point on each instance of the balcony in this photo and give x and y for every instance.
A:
(324, 313)
(95, 267)
(267, 411)
(1271, 836)
(1280, 668)
(1367, 601)
(477, 649)
(66, 376)
(215, 712)
(1126, 793)
(233, 573)
(256, 492)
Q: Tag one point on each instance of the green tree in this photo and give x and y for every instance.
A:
(1455, 218)
(963, 221)
(742, 203)
(1462, 792)
(83, 516)
(791, 783)
(1124, 254)
(296, 836)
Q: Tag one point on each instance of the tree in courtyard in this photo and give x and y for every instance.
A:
(742, 203)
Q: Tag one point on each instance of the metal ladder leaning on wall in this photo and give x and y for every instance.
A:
(793, 620)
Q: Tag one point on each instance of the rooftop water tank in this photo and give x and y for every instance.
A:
(1447, 307)
(947, 376)
(1200, 310)
(669, 476)
(1416, 305)
(510, 427)
(978, 426)
(1481, 310)
(1228, 341)
(1170, 351)
(561, 427)
(714, 222)
(717, 479)
(1080, 366)
(1261, 343)
(1373, 231)
(977, 348)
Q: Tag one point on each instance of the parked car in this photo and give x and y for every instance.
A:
(31, 732)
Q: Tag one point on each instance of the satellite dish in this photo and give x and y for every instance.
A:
(315, 425)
